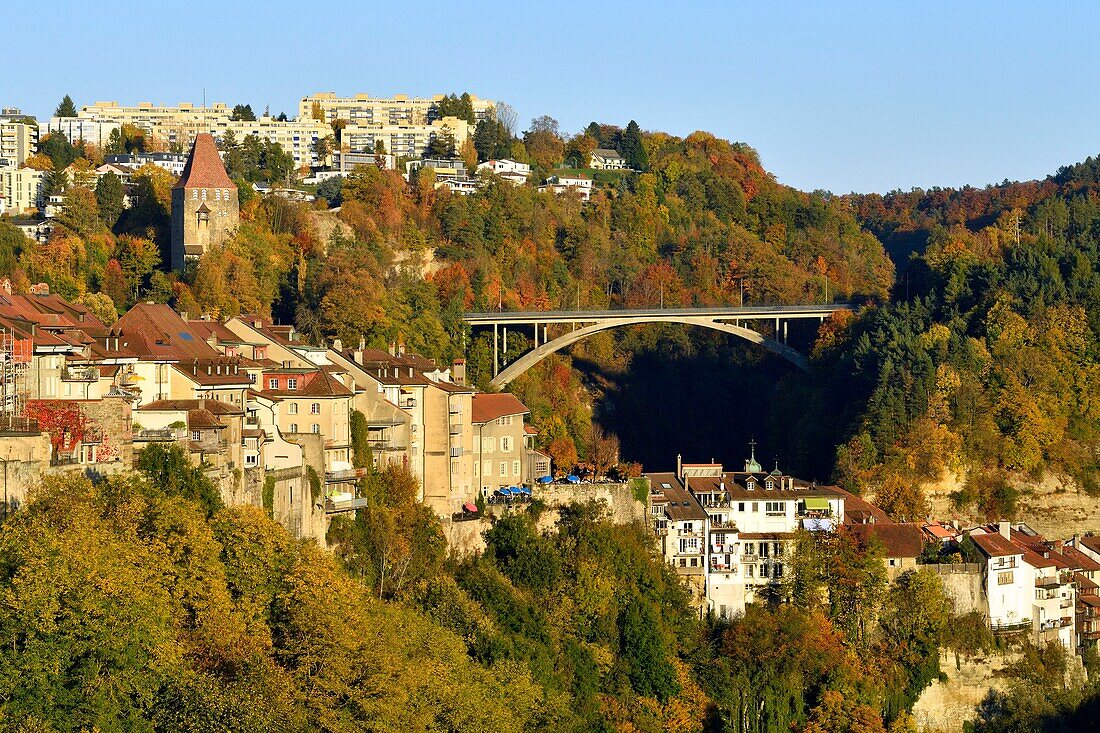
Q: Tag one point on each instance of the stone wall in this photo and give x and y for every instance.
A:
(962, 582)
(619, 498)
(24, 455)
(112, 415)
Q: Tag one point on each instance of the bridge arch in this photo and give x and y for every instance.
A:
(528, 360)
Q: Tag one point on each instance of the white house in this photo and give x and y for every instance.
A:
(578, 182)
(606, 160)
(1009, 582)
(512, 171)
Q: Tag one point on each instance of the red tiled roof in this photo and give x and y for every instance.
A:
(203, 419)
(1092, 542)
(154, 330)
(939, 531)
(994, 545)
(1083, 582)
(899, 539)
(322, 385)
(488, 407)
(214, 407)
(204, 167)
(1079, 559)
(855, 507)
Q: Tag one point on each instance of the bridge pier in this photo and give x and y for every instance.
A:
(496, 352)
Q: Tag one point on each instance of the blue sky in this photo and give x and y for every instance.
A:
(844, 96)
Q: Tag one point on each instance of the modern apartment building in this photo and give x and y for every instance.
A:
(18, 139)
(398, 110)
(405, 140)
(95, 131)
(178, 125)
(20, 189)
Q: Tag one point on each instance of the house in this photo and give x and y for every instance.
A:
(576, 182)
(499, 447)
(538, 463)
(604, 159)
(1008, 583)
(902, 543)
(681, 527)
(512, 171)
(752, 517)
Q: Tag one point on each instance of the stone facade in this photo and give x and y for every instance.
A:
(205, 206)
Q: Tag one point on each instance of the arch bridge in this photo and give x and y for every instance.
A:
(738, 321)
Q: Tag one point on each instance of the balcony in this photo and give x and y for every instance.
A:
(455, 409)
(455, 430)
(385, 446)
(728, 524)
(351, 474)
(408, 403)
(159, 435)
(344, 505)
(456, 452)
(1046, 582)
(80, 374)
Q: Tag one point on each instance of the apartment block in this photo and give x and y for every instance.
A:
(18, 140)
(20, 190)
(405, 140)
(398, 110)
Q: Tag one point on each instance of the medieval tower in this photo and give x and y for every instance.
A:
(205, 207)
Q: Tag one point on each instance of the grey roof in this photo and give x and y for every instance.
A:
(605, 153)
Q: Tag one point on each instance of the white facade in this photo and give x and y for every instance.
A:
(561, 184)
(21, 189)
(512, 171)
(97, 132)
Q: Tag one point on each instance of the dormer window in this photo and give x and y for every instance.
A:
(769, 484)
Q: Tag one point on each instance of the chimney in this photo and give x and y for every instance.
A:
(393, 349)
(679, 465)
(1005, 528)
(183, 315)
(337, 345)
(401, 349)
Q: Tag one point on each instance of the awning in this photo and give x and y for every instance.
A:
(469, 507)
(817, 503)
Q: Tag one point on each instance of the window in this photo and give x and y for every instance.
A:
(756, 506)
(778, 570)
(515, 468)
(892, 562)
(315, 408)
(273, 383)
(194, 194)
(689, 527)
(292, 383)
(503, 469)
(294, 427)
(764, 570)
(750, 548)
(774, 508)
(314, 428)
(1005, 578)
(488, 445)
(740, 506)
(749, 570)
(293, 408)
(769, 484)
(487, 468)
(204, 194)
(217, 194)
(506, 444)
(689, 545)
(196, 435)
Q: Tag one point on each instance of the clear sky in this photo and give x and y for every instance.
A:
(838, 95)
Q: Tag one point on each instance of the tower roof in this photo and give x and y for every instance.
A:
(204, 166)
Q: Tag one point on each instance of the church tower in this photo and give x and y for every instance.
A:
(205, 207)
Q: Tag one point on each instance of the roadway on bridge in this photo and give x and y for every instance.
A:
(504, 318)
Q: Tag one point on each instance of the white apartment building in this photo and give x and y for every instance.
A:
(174, 163)
(95, 131)
(21, 189)
(398, 110)
(404, 140)
(18, 140)
(178, 125)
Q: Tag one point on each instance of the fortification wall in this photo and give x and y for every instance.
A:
(963, 584)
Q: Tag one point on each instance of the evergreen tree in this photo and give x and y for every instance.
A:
(632, 149)
(109, 196)
(243, 112)
(58, 148)
(66, 108)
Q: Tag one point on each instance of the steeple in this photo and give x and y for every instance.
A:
(204, 167)
(751, 466)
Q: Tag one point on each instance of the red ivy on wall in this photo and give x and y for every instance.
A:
(64, 421)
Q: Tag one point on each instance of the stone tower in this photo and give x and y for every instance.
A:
(205, 207)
